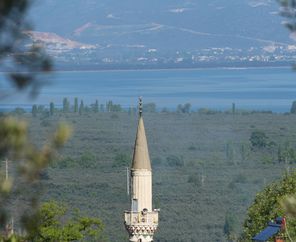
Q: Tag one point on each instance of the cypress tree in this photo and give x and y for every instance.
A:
(293, 108)
(96, 107)
(75, 105)
(51, 108)
(233, 108)
(66, 105)
(81, 107)
(102, 108)
(34, 110)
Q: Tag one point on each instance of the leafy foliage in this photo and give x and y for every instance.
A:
(230, 226)
(289, 205)
(14, 143)
(86, 160)
(121, 160)
(195, 180)
(267, 206)
(149, 107)
(26, 60)
(258, 139)
(173, 160)
(184, 108)
(56, 224)
(288, 11)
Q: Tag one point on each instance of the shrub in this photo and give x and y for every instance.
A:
(258, 139)
(240, 178)
(173, 161)
(230, 226)
(156, 161)
(121, 160)
(66, 162)
(45, 123)
(87, 160)
(195, 180)
(19, 111)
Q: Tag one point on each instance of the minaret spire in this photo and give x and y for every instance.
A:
(141, 159)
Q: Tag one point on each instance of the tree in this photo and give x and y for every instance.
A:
(81, 107)
(233, 108)
(34, 110)
(289, 206)
(258, 139)
(26, 65)
(230, 226)
(102, 108)
(96, 106)
(230, 151)
(288, 11)
(184, 108)
(293, 108)
(51, 108)
(268, 205)
(15, 144)
(27, 61)
(76, 105)
(56, 223)
(66, 105)
(149, 107)
(111, 107)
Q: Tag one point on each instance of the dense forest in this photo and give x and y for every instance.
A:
(207, 166)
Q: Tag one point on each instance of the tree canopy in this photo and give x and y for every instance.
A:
(268, 205)
(56, 223)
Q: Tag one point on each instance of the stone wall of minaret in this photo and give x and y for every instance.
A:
(141, 221)
(141, 190)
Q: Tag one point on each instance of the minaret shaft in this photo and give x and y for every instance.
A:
(141, 190)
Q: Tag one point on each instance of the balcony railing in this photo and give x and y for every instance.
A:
(140, 218)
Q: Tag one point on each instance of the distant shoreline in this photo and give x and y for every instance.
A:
(57, 70)
(177, 68)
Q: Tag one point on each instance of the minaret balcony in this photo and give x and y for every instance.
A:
(141, 218)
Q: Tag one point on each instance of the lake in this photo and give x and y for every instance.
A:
(252, 88)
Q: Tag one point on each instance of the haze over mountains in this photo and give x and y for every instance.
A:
(163, 32)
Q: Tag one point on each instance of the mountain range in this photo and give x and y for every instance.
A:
(122, 30)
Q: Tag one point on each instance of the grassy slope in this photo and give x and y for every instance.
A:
(189, 212)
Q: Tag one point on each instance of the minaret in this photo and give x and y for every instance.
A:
(141, 221)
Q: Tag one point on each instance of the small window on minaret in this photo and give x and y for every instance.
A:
(135, 205)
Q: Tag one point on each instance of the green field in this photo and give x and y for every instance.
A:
(203, 167)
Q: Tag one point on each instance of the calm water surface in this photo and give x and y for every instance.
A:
(260, 89)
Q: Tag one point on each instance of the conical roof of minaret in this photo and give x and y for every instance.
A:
(141, 159)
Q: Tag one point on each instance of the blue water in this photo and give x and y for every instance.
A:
(260, 89)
